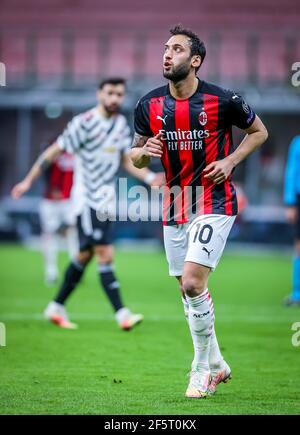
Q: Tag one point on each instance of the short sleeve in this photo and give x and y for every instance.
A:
(141, 120)
(73, 137)
(239, 112)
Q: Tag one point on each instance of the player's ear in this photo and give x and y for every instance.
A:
(196, 61)
(98, 94)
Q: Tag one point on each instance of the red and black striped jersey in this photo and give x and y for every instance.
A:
(59, 178)
(195, 132)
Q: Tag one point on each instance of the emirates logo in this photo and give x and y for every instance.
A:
(202, 118)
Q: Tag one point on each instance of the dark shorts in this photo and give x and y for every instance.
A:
(92, 231)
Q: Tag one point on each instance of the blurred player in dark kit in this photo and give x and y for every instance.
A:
(100, 140)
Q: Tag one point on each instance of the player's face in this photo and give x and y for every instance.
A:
(177, 58)
(111, 97)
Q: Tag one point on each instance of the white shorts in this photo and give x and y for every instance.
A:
(56, 214)
(202, 241)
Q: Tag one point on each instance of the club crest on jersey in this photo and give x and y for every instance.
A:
(202, 118)
(111, 149)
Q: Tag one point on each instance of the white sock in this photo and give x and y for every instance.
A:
(201, 324)
(50, 248)
(72, 242)
(216, 359)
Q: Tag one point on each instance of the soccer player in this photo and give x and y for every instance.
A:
(100, 140)
(292, 202)
(187, 124)
(55, 213)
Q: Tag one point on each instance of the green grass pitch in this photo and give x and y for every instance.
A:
(99, 369)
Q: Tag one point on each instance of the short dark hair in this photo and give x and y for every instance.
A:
(112, 81)
(197, 46)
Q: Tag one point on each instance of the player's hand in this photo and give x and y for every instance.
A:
(218, 171)
(292, 214)
(159, 180)
(20, 188)
(154, 146)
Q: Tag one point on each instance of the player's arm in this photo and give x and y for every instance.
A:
(41, 164)
(220, 170)
(144, 174)
(143, 148)
(257, 134)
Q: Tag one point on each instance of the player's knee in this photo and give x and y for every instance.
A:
(84, 257)
(193, 286)
(104, 254)
(104, 258)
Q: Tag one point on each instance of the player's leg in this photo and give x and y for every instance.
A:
(296, 273)
(175, 243)
(72, 240)
(49, 218)
(294, 298)
(55, 310)
(75, 270)
(105, 260)
(50, 249)
(108, 279)
(217, 365)
(192, 279)
(71, 232)
(219, 369)
(200, 320)
(183, 299)
(73, 275)
(207, 239)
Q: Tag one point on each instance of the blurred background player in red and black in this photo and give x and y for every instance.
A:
(56, 213)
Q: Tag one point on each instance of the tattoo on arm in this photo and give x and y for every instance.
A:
(43, 163)
(139, 141)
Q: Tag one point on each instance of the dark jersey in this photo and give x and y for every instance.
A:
(195, 132)
(59, 178)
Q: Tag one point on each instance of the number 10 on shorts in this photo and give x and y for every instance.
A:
(203, 233)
